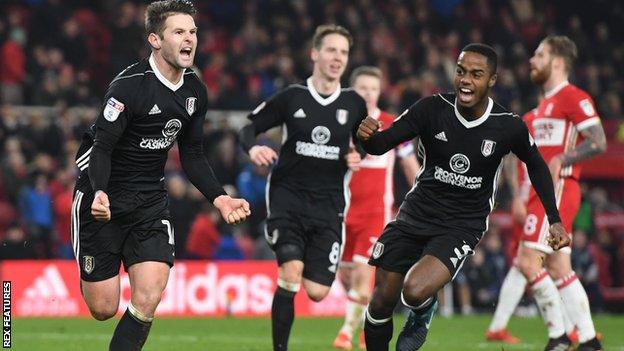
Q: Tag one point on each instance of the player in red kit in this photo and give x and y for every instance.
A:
(566, 129)
(372, 199)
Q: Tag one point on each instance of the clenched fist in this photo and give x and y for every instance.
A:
(558, 237)
(368, 127)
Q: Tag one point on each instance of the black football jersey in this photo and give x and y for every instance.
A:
(317, 132)
(148, 113)
(461, 163)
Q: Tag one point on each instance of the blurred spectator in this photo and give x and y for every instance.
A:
(204, 237)
(182, 212)
(35, 205)
(15, 245)
(251, 184)
(13, 58)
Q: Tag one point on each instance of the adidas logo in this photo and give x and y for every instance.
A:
(299, 113)
(48, 296)
(155, 110)
(441, 136)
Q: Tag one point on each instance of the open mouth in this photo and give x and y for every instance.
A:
(186, 52)
(466, 95)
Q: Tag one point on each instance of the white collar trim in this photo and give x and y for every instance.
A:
(321, 100)
(478, 121)
(556, 89)
(162, 78)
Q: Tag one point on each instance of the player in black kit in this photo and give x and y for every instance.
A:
(463, 139)
(308, 188)
(120, 207)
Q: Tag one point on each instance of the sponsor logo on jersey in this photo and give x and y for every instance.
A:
(112, 110)
(441, 136)
(587, 107)
(88, 263)
(378, 250)
(460, 163)
(170, 132)
(321, 135)
(191, 105)
(342, 115)
(155, 110)
(549, 131)
(299, 113)
(487, 147)
(455, 179)
(318, 149)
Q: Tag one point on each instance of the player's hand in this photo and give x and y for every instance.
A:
(353, 159)
(518, 210)
(555, 166)
(232, 210)
(262, 155)
(558, 237)
(367, 128)
(100, 207)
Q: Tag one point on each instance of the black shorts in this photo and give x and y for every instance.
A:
(311, 231)
(399, 248)
(139, 230)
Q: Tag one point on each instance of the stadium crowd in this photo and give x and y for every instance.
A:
(62, 54)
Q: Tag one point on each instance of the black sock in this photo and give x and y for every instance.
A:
(377, 336)
(282, 316)
(130, 334)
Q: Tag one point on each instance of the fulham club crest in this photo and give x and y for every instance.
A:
(487, 147)
(191, 105)
(342, 115)
(88, 264)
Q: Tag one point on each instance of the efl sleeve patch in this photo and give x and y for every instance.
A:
(587, 107)
(112, 110)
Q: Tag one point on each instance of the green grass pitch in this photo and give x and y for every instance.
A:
(309, 334)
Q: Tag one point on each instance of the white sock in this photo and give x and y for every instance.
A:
(510, 294)
(549, 303)
(567, 323)
(577, 306)
(354, 316)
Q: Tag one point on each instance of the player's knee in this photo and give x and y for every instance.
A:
(146, 301)
(415, 293)
(102, 312)
(529, 268)
(380, 306)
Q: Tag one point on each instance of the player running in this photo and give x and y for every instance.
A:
(120, 209)
(567, 130)
(463, 139)
(308, 192)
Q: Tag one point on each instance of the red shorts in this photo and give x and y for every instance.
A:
(568, 196)
(517, 232)
(362, 233)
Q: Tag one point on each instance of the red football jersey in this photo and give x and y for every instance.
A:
(372, 186)
(557, 120)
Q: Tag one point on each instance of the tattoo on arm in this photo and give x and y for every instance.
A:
(595, 143)
(510, 171)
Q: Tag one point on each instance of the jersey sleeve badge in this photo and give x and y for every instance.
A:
(112, 110)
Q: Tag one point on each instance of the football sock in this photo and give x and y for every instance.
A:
(577, 306)
(377, 332)
(354, 317)
(282, 317)
(131, 331)
(549, 303)
(510, 294)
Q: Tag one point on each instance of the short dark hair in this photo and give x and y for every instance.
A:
(365, 71)
(158, 11)
(564, 47)
(485, 50)
(326, 29)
